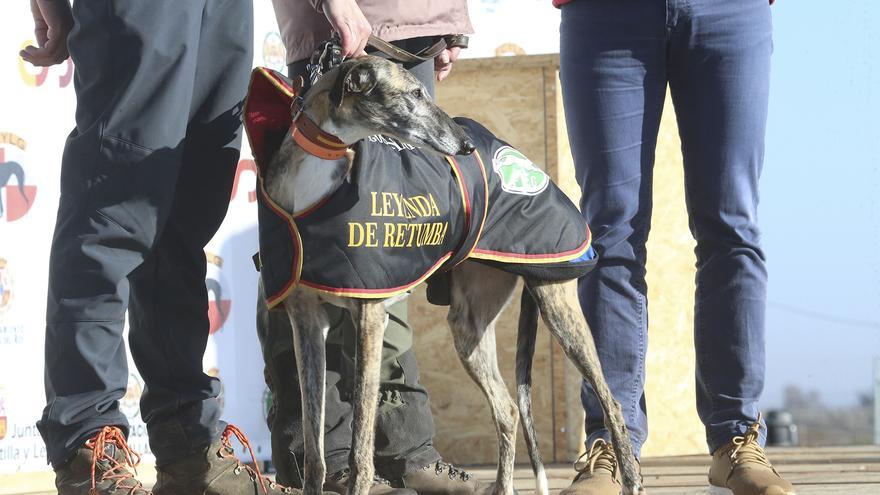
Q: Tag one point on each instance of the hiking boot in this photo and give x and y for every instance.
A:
(597, 472)
(338, 482)
(741, 468)
(216, 471)
(101, 467)
(441, 478)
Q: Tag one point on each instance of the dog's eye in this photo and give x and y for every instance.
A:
(417, 92)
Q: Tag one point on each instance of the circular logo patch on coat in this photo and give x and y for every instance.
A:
(518, 174)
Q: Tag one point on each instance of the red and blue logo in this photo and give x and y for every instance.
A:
(16, 195)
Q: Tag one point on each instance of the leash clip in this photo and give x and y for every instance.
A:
(296, 107)
(327, 56)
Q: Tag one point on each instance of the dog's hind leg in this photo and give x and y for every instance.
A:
(365, 394)
(561, 311)
(479, 294)
(310, 326)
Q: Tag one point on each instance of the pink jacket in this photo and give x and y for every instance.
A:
(560, 3)
(303, 25)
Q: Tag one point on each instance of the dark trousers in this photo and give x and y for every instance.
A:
(404, 426)
(146, 178)
(617, 57)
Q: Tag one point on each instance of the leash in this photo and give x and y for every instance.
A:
(400, 55)
(328, 54)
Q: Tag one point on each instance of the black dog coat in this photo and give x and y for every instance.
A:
(405, 213)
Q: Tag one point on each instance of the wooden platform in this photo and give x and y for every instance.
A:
(825, 471)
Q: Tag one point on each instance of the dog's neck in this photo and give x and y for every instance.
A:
(296, 179)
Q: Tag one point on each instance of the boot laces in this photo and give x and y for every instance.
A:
(118, 472)
(601, 455)
(748, 450)
(343, 475)
(253, 472)
(454, 473)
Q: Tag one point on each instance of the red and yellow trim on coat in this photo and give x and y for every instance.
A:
(502, 257)
(273, 300)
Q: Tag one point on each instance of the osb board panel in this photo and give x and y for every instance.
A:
(465, 432)
(510, 103)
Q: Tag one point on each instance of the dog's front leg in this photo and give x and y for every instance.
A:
(371, 330)
(310, 327)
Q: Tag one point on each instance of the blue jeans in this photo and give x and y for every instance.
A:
(617, 57)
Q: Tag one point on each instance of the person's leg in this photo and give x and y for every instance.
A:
(719, 75)
(168, 312)
(719, 72)
(612, 59)
(119, 173)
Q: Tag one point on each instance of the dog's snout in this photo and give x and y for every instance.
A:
(467, 147)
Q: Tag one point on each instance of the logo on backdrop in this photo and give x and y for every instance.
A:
(245, 166)
(16, 196)
(6, 291)
(274, 55)
(130, 403)
(3, 421)
(38, 76)
(218, 307)
(268, 401)
(518, 174)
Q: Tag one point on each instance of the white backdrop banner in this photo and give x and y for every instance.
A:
(36, 114)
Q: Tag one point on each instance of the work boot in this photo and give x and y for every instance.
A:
(597, 472)
(338, 482)
(216, 471)
(101, 467)
(441, 478)
(741, 468)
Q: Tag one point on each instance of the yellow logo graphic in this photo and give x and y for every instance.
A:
(39, 78)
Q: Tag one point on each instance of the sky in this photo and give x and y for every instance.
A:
(820, 199)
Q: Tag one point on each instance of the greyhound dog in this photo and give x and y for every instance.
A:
(368, 96)
(9, 170)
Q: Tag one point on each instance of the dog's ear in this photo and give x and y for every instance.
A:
(356, 78)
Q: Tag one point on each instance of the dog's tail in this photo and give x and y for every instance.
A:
(525, 353)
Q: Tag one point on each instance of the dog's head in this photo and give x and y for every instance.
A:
(370, 95)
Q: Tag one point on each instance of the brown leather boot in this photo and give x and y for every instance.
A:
(741, 468)
(441, 478)
(101, 467)
(216, 471)
(338, 483)
(597, 472)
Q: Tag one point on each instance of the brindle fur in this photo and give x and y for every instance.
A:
(369, 96)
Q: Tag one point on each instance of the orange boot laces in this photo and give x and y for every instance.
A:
(225, 438)
(117, 472)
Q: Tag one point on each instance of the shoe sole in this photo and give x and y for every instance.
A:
(717, 490)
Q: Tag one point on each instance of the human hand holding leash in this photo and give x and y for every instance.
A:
(52, 23)
(443, 62)
(348, 20)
